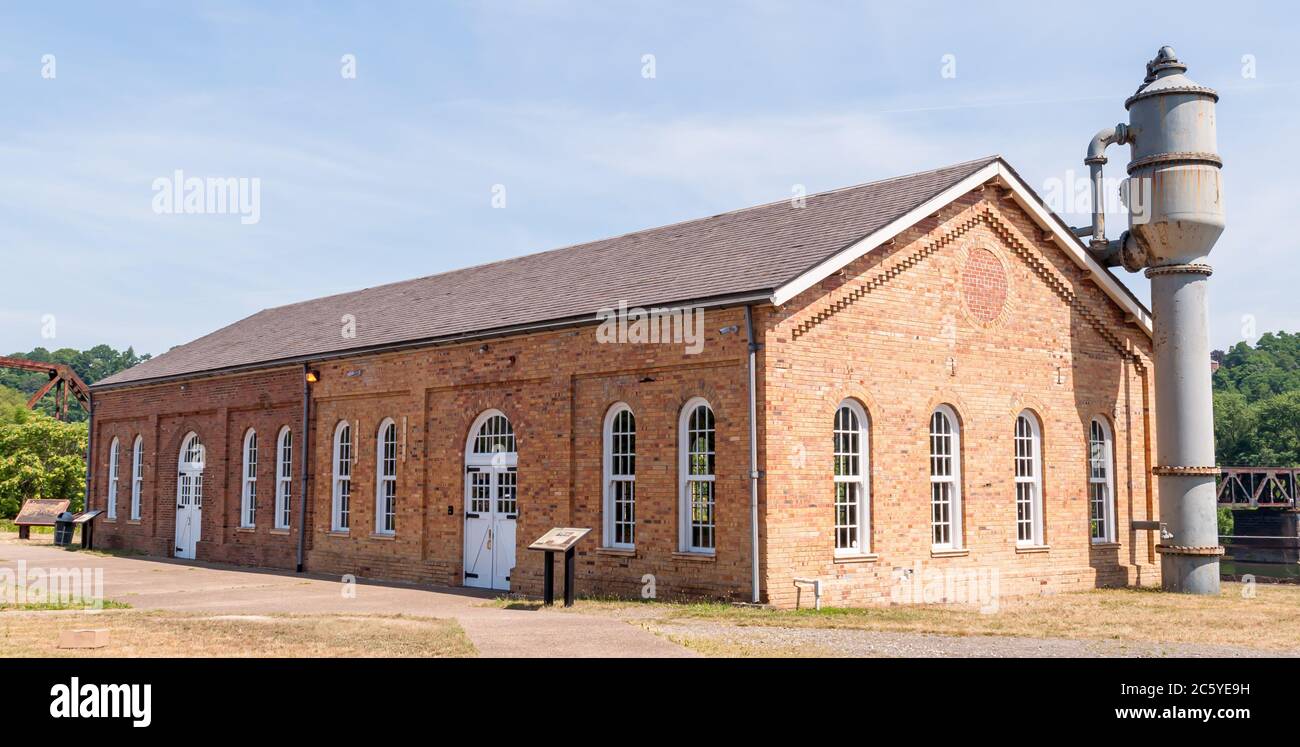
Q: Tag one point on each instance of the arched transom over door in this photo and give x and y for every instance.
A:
(189, 495)
(491, 501)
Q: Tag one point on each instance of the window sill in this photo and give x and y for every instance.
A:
(108, 520)
(949, 553)
(133, 522)
(1105, 545)
(246, 530)
(1031, 549)
(338, 533)
(699, 557)
(869, 557)
(284, 531)
(383, 535)
(620, 552)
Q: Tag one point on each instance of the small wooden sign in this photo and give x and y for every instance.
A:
(86, 516)
(41, 512)
(559, 539)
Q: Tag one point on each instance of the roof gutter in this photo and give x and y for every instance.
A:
(762, 296)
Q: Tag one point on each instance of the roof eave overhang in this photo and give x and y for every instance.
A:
(762, 296)
(1023, 195)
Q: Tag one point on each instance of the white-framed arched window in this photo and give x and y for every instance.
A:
(620, 477)
(945, 479)
(697, 523)
(386, 478)
(852, 468)
(1101, 484)
(137, 476)
(340, 505)
(283, 477)
(248, 491)
(1029, 479)
(112, 479)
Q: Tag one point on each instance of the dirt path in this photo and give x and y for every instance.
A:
(162, 584)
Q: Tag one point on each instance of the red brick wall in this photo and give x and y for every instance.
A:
(975, 309)
(555, 387)
(220, 410)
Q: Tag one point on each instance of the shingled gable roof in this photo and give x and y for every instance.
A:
(766, 253)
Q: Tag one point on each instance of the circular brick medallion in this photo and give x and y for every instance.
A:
(984, 285)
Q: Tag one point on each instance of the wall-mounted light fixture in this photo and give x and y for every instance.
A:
(313, 376)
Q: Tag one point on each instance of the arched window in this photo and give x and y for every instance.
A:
(1029, 480)
(342, 495)
(248, 495)
(945, 479)
(283, 477)
(620, 477)
(1101, 487)
(696, 502)
(137, 476)
(112, 479)
(496, 435)
(386, 478)
(852, 466)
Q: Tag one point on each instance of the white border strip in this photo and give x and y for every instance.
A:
(1023, 196)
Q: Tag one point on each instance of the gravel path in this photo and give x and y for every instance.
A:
(865, 643)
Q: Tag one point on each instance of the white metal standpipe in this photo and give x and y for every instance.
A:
(1189, 559)
(1175, 217)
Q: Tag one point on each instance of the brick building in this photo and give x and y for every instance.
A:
(941, 379)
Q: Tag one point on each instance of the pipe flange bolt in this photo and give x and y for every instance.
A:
(1192, 269)
(1189, 550)
(1179, 471)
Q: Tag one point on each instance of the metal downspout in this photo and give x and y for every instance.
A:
(306, 440)
(90, 448)
(754, 474)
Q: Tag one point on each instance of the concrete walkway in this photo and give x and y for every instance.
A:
(165, 584)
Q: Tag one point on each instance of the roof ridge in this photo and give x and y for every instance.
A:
(982, 161)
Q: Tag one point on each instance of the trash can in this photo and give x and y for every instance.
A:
(63, 529)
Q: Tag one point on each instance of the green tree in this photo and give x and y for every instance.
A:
(1257, 403)
(91, 365)
(41, 458)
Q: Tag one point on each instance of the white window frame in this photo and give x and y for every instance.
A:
(384, 480)
(137, 476)
(1028, 456)
(952, 478)
(860, 527)
(1101, 473)
(342, 462)
(283, 477)
(686, 523)
(619, 482)
(112, 478)
(248, 481)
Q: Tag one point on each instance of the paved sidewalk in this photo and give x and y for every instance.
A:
(164, 584)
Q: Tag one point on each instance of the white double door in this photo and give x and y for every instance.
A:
(491, 510)
(189, 512)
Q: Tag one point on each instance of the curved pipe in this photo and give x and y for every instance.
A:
(1096, 158)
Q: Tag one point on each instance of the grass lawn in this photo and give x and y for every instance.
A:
(153, 633)
(1268, 620)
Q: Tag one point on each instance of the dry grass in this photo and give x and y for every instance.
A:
(1270, 620)
(171, 634)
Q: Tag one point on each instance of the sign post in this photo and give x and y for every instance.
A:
(38, 512)
(557, 539)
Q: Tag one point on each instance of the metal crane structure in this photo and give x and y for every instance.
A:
(64, 382)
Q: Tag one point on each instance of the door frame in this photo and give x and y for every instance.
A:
(193, 511)
(494, 465)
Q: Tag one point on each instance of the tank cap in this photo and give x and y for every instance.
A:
(1165, 59)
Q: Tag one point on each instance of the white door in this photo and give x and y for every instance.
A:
(491, 510)
(189, 497)
(491, 502)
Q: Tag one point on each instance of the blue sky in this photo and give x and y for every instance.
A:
(390, 175)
